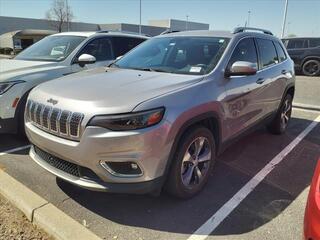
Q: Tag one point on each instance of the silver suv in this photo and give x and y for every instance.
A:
(159, 116)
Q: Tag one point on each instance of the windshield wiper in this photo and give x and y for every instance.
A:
(151, 70)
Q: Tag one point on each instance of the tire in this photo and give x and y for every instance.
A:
(21, 107)
(311, 68)
(187, 175)
(280, 123)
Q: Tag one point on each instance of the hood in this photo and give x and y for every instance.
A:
(115, 91)
(11, 68)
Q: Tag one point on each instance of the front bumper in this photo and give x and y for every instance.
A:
(98, 185)
(148, 148)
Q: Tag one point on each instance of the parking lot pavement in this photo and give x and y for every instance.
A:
(307, 91)
(279, 200)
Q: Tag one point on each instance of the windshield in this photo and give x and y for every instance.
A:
(52, 48)
(180, 55)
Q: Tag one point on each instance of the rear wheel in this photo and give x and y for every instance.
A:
(311, 68)
(281, 121)
(192, 163)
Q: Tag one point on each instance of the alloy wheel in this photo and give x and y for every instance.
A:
(286, 113)
(312, 68)
(196, 162)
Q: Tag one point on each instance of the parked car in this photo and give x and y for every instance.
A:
(53, 57)
(161, 114)
(312, 213)
(305, 52)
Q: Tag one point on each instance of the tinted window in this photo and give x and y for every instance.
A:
(268, 54)
(245, 51)
(281, 54)
(295, 43)
(100, 48)
(314, 42)
(181, 55)
(122, 45)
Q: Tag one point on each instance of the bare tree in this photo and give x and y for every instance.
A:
(60, 14)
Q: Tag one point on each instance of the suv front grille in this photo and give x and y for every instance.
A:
(54, 120)
(65, 166)
(58, 163)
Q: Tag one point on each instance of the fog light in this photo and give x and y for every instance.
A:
(122, 169)
(134, 166)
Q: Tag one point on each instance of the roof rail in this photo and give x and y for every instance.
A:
(243, 29)
(127, 32)
(169, 31)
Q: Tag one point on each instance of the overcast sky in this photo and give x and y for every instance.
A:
(303, 15)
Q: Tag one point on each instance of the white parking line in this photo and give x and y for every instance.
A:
(14, 150)
(212, 223)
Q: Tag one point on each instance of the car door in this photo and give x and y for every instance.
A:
(101, 49)
(274, 74)
(243, 104)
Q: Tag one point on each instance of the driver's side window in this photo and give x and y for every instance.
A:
(244, 51)
(100, 48)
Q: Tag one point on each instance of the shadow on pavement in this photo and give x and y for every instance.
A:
(235, 167)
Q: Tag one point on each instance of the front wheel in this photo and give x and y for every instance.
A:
(281, 121)
(192, 163)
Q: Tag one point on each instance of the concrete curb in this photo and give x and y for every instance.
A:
(42, 213)
(306, 106)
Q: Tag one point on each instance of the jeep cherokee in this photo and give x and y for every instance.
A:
(159, 116)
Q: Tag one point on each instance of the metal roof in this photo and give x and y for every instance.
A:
(200, 33)
(30, 32)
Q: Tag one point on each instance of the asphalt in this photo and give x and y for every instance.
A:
(273, 210)
(308, 91)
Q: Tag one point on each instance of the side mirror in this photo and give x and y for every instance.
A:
(86, 59)
(242, 68)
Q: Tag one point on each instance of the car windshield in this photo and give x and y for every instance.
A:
(180, 55)
(52, 48)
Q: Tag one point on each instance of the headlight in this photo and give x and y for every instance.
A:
(5, 86)
(129, 121)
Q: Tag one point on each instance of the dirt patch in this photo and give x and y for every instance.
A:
(15, 226)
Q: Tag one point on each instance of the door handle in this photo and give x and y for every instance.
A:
(284, 71)
(260, 80)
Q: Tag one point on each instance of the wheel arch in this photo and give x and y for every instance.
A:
(309, 58)
(20, 109)
(210, 120)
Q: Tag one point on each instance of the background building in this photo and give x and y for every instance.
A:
(126, 27)
(155, 27)
(10, 24)
(179, 25)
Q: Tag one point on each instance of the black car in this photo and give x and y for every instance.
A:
(305, 52)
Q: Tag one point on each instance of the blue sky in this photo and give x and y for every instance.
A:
(303, 15)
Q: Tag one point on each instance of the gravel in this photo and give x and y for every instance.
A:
(15, 226)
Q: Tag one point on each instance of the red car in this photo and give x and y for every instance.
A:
(312, 214)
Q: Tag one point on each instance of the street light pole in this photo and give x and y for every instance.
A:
(140, 20)
(248, 22)
(284, 18)
(187, 22)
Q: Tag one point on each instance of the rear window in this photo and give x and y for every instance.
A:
(314, 42)
(281, 54)
(268, 54)
(295, 43)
